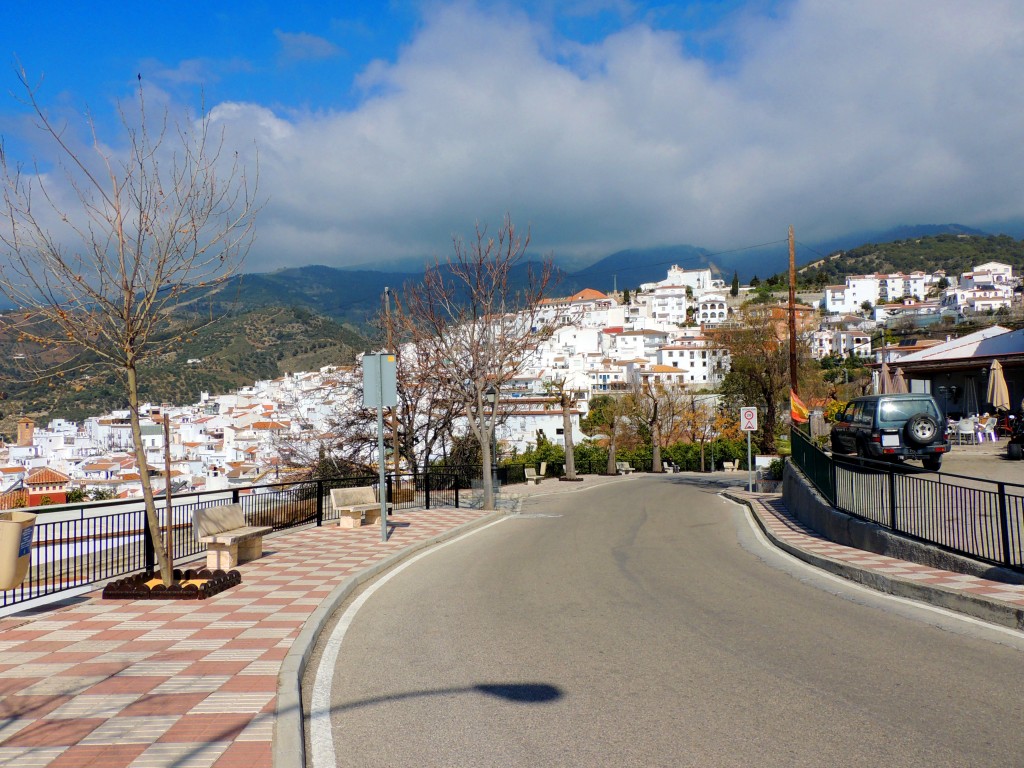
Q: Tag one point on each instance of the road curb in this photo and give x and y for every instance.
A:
(289, 744)
(987, 610)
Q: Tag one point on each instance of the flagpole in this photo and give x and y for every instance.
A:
(793, 375)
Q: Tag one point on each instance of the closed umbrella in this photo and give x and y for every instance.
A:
(970, 398)
(899, 383)
(884, 385)
(998, 395)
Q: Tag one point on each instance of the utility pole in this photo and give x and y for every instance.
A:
(394, 411)
(792, 314)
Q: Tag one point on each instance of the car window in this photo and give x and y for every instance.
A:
(895, 412)
(858, 413)
(867, 415)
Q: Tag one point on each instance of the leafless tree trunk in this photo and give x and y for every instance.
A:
(646, 401)
(562, 389)
(107, 262)
(476, 314)
(698, 420)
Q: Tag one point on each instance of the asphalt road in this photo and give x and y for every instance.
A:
(644, 623)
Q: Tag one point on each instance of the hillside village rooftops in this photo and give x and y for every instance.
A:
(46, 476)
(992, 342)
(587, 294)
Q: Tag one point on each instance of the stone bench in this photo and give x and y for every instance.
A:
(532, 476)
(729, 466)
(228, 539)
(623, 468)
(356, 506)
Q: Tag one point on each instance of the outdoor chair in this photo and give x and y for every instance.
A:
(988, 429)
(965, 429)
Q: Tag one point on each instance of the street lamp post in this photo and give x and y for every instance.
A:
(491, 398)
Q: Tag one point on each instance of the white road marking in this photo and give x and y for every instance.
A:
(321, 740)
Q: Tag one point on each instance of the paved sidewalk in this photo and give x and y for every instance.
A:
(993, 601)
(186, 684)
(194, 684)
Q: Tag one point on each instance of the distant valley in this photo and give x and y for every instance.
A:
(303, 318)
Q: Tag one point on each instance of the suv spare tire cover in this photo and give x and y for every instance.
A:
(921, 429)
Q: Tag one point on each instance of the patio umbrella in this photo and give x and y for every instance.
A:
(970, 398)
(884, 385)
(899, 383)
(998, 395)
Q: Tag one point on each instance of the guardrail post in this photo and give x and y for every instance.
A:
(833, 472)
(457, 476)
(1004, 525)
(390, 486)
(426, 489)
(319, 502)
(892, 499)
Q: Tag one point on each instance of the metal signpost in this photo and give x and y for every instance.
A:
(748, 423)
(380, 391)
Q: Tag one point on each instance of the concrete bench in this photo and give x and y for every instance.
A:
(532, 476)
(228, 539)
(356, 506)
(623, 468)
(729, 466)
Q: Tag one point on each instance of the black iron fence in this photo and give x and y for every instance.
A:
(75, 545)
(983, 519)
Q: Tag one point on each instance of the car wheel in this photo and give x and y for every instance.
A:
(934, 463)
(921, 429)
(1015, 450)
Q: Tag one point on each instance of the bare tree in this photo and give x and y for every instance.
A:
(566, 394)
(102, 267)
(646, 400)
(425, 413)
(609, 417)
(476, 315)
(698, 420)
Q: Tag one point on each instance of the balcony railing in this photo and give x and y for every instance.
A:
(982, 519)
(76, 545)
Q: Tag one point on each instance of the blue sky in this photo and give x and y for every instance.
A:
(385, 128)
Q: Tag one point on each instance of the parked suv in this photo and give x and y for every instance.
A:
(895, 427)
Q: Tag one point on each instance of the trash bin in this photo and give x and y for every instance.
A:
(15, 547)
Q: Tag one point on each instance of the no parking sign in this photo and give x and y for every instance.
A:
(748, 419)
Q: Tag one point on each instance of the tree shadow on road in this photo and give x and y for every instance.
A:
(518, 693)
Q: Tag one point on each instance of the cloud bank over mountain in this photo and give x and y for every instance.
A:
(833, 117)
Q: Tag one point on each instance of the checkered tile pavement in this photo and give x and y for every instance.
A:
(776, 518)
(191, 684)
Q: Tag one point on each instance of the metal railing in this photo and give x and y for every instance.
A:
(979, 518)
(75, 545)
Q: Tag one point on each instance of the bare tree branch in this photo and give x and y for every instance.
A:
(103, 259)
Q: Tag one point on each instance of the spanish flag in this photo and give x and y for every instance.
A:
(797, 409)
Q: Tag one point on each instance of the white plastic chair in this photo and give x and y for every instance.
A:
(988, 429)
(965, 429)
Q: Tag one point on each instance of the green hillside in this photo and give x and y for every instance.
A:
(951, 252)
(237, 350)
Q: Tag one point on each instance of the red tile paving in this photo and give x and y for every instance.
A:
(111, 683)
(99, 756)
(117, 683)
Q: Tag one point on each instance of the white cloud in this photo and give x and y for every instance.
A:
(833, 117)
